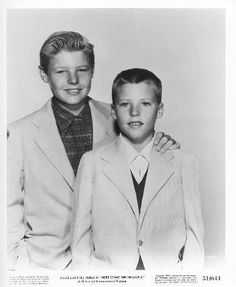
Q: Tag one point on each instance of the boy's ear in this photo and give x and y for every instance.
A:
(160, 110)
(113, 112)
(43, 75)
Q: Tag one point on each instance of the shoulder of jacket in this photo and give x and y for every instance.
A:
(21, 122)
(97, 152)
(20, 126)
(101, 106)
(25, 123)
(100, 103)
(28, 118)
(184, 158)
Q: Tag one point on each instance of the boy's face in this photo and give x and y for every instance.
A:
(69, 76)
(136, 110)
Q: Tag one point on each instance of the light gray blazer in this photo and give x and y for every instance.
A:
(40, 188)
(109, 232)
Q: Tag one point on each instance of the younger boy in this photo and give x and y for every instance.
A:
(136, 208)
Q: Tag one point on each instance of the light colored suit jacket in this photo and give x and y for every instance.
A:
(40, 188)
(109, 232)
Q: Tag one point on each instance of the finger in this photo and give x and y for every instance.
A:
(161, 143)
(167, 146)
(158, 137)
(175, 146)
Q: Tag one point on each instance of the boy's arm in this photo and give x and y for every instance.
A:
(193, 254)
(82, 241)
(15, 196)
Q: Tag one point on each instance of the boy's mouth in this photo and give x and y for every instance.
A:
(135, 124)
(73, 91)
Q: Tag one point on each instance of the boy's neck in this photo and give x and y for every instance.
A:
(139, 146)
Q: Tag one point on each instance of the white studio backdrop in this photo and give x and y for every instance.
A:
(185, 48)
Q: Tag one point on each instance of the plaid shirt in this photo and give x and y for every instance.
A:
(76, 131)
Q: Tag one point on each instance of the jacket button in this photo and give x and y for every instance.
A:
(140, 242)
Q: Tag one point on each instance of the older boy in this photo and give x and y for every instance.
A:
(137, 208)
(44, 150)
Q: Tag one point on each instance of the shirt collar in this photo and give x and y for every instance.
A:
(131, 153)
(64, 118)
(60, 111)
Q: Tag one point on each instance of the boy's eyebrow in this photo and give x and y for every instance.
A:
(80, 66)
(142, 99)
(123, 100)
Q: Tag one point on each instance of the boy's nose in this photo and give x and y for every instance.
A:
(73, 78)
(134, 111)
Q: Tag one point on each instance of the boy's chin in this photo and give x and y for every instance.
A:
(139, 140)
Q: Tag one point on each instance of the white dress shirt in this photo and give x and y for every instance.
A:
(138, 161)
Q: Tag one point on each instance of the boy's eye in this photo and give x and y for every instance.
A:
(83, 70)
(146, 103)
(123, 104)
(60, 71)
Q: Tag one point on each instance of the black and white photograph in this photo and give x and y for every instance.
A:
(116, 146)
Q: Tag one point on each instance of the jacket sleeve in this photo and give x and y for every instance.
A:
(15, 196)
(82, 240)
(193, 254)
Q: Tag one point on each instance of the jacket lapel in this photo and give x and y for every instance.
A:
(103, 124)
(49, 142)
(117, 171)
(159, 172)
